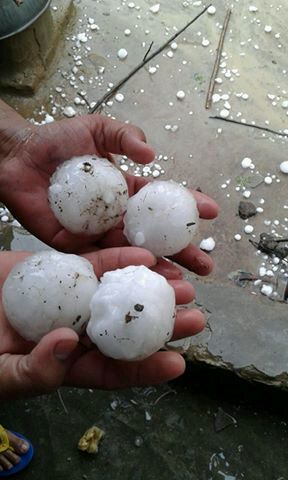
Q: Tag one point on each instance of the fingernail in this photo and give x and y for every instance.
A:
(64, 349)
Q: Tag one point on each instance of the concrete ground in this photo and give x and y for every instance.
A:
(246, 331)
(209, 429)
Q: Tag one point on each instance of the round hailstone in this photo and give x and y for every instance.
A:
(211, 10)
(69, 112)
(119, 97)
(49, 290)
(122, 53)
(207, 244)
(248, 229)
(132, 313)
(246, 162)
(224, 113)
(161, 217)
(88, 194)
(284, 167)
(180, 95)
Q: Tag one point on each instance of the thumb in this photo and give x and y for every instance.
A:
(42, 370)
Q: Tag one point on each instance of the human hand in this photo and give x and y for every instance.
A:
(30, 154)
(61, 358)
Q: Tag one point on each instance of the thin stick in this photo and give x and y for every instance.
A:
(163, 395)
(62, 401)
(258, 127)
(217, 60)
(148, 51)
(110, 94)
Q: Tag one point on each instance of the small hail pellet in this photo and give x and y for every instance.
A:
(132, 313)
(49, 290)
(88, 194)
(162, 217)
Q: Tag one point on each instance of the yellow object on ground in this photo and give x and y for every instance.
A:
(90, 440)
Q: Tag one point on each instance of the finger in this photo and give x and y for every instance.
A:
(195, 260)
(167, 269)
(208, 209)
(188, 323)
(42, 370)
(120, 138)
(119, 257)
(184, 292)
(93, 370)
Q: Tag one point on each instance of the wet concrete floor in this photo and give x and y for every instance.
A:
(214, 428)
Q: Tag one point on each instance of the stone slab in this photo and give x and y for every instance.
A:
(245, 334)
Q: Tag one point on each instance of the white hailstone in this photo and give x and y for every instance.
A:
(267, 290)
(237, 237)
(268, 180)
(207, 244)
(48, 118)
(132, 313)
(49, 290)
(180, 95)
(205, 42)
(216, 98)
(284, 104)
(253, 9)
(161, 217)
(82, 37)
(268, 29)
(211, 10)
(152, 70)
(248, 229)
(284, 167)
(174, 46)
(246, 162)
(155, 8)
(122, 53)
(224, 113)
(119, 97)
(88, 194)
(69, 112)
(262, 271)
(127, 32)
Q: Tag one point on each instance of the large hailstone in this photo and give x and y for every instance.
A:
(88, 194)
(161, 217)
(132, 313)
(49, 290)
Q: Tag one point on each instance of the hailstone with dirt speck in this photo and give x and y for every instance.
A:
(132, 313)
(49, 290)
(161, 217)
(88, 194)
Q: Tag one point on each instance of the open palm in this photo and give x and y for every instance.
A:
(30, 154)
(61, 359)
